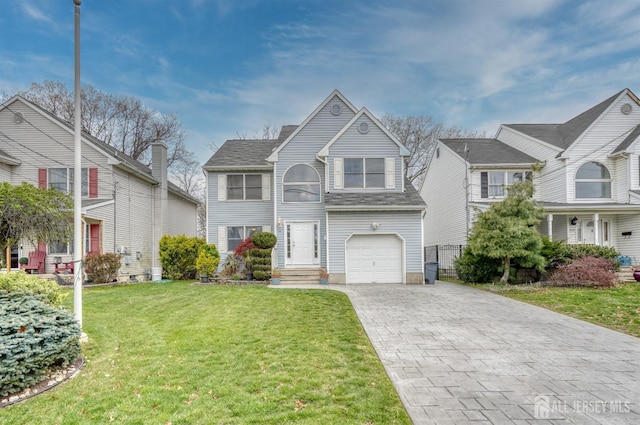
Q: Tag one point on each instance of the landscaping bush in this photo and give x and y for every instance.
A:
(243, 247)
(102, 268)
(21, 282)
(35, 337)
(264, 240)
(472, 268)
(585, 271)
(261, 263)
(178, 256)
(208, 260)
(261, 275)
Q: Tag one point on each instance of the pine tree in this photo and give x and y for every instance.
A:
(508, 230)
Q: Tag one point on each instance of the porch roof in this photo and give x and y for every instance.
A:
(410, 199)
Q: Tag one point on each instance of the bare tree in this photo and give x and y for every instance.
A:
(420, 134)
(122, 122)
(188, 175)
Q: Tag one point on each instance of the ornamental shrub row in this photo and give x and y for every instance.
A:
(102, 268)
(35, 338)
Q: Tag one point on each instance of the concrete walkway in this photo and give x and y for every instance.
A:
(459, 355)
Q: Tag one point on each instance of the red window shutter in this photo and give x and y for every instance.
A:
(93, 182)
(42, 178)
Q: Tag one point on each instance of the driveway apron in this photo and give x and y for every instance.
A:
(459, 355)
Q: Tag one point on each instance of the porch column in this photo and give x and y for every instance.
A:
(550, 226)
(596, 228)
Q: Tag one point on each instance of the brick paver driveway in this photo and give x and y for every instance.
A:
(458, 355)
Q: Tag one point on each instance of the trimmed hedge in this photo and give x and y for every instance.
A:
(34, 338)
(264, 240)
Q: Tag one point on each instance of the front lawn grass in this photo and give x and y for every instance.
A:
(176, 353)
(615, 308)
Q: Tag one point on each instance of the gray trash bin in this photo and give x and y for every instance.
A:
(430, 272)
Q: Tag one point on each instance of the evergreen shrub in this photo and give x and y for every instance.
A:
(178, 256)
(21, 282)
(264, 240)
(35, 338)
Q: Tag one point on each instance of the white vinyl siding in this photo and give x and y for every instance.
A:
(444, 193)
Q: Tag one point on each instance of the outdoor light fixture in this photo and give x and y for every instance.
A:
(574, 220)
(375, 225)
(279, 222)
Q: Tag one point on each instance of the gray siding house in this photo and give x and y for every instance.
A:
(333, 191)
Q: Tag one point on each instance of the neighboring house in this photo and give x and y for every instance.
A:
(588, 183)
(333, 191)
(126, 206)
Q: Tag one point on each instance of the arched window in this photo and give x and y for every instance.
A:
(301, 184)
(593, 181)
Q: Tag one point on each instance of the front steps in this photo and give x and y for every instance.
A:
(300, 276)
(625, 274)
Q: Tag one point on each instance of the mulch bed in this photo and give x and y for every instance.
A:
(52, 380)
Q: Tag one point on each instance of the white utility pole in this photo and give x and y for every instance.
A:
(77, 179)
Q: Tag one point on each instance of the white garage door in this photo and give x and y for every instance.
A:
(374, 259)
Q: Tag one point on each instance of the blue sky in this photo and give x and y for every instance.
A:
(228, 67)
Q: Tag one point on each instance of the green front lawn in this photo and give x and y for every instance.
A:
(182, 354)
(615, 308)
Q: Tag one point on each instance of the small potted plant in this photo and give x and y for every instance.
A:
(207, 262)
(23, 261)
(275, 277)
(324, 277)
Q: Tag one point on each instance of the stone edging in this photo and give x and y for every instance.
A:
(52, 380)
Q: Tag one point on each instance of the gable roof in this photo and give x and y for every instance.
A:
(364, 111)
(484, 151)
(563, 135)
(114, 156)
(410, 199)
(633, 135)
(335, 93)
(245, 154)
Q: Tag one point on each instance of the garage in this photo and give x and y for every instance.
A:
(374, 259)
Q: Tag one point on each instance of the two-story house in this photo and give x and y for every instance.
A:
(126, 206)
(333, 191)
(587, 177)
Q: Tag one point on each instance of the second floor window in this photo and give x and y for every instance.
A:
(301, 183)
(62, 179)
(593, 181)
(244, 186)
(493, 184)
(364, 173)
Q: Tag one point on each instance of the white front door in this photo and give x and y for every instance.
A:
(302, 244)
(586, 232)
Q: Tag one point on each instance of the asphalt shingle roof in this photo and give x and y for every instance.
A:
(242, 153)
(487, 151)
(409, 199)
(563, 135)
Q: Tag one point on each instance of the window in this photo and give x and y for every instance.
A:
(235, 235)
(364, 172)
(244, 186)
(62, 180)
(301, 184)
(593, 181)
(60, 247)
(493, 184)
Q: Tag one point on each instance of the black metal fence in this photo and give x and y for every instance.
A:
(444, 255)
